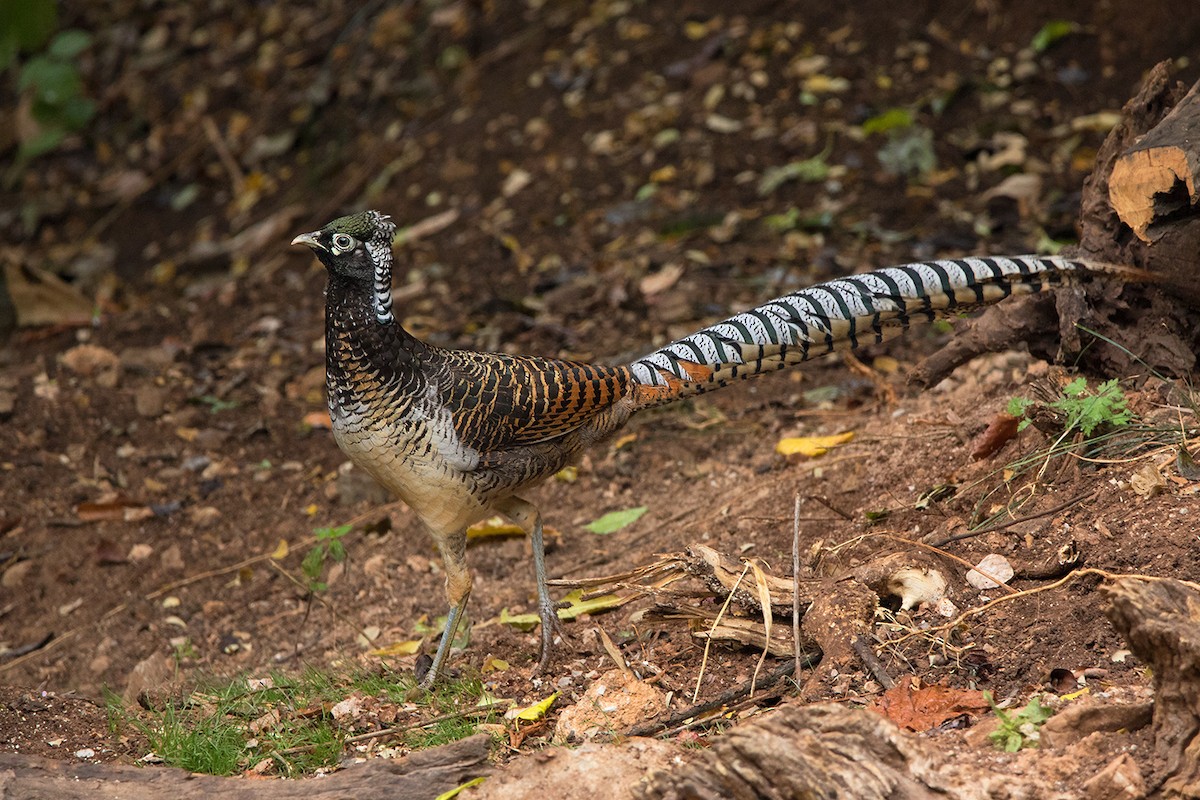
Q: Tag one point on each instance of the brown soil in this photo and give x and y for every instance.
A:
(199, 425)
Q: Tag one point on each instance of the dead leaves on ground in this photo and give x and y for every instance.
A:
(921, 708)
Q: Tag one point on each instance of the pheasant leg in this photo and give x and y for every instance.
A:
(458, 590)
(528, 517)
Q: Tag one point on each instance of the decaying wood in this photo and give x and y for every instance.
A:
(1157, 180)
(831, 751)
(1160, 620)
(419, 776)
(840, 610)
(1151, 321)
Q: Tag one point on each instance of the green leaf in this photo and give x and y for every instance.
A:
(450, 795)
(1051, 32)
(76, 112)
(577, 606)
(892, 119)
(810, 170)
(332, 533)
(69, 43)
(522, 622)
(30, 22)
(615, 520)
(1017, 406)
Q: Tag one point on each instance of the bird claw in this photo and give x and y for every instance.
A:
(551, 626)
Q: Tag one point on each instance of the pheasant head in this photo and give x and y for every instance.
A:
(358, 248)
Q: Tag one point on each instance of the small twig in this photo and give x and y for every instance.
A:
(315, 596)
(396, 729)
(796, 585)
(717, 621)
(614, 654)
(866, 654)
(226, 158)
(1002, 525)
(654, 727)
(978, 610)
(833, 508)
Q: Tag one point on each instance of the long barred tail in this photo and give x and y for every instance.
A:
(842, 314)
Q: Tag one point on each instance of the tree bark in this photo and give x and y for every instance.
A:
(1160, 619)
(418, 776)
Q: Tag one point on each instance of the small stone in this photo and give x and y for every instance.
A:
(355, 486)
(93, 361)
(150, 401)
(205, 517)
(151, 679)
(14, 575)
(86, 752)
(1120, 780)
(172, 559)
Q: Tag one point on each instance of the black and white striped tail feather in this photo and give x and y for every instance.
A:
(841, 314)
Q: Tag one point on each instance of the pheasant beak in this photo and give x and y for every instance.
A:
(309, 239)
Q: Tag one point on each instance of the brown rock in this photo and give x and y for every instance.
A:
(151, 681)
(355, 486)
(150, 401)
(93, 361)
(1080, 719)
(1120, 780)
(613, 772)
(612, 704)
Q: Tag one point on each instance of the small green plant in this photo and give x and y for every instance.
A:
(1021, 729)
(216, 404)
(228, 725)
(328, 548)
(909, 148)
(185, 651)
(210, 743)
(1083, 409)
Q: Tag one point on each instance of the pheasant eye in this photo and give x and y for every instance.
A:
(343, 242)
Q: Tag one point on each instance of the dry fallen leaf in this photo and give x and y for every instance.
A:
(1002, 428)
(921, 709)
(811, 446)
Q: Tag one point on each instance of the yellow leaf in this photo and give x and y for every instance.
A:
(664, 174)
(311, 509)
(811, 445)
(493, 664)
(494, 527)
(281, 550)
(454, 792)
(538, 710)
(405, 648)
(522, 622)
(1076, 695)
(567, 474)
(818, 84)
(621, 441)
(886, 365)
(578, 606)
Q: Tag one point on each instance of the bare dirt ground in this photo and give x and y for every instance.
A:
(594, 179)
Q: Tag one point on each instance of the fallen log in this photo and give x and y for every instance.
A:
(417, 776)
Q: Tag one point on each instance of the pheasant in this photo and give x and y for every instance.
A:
(458, 434)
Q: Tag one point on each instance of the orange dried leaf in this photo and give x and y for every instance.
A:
(927, 707)
(1002, 428)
